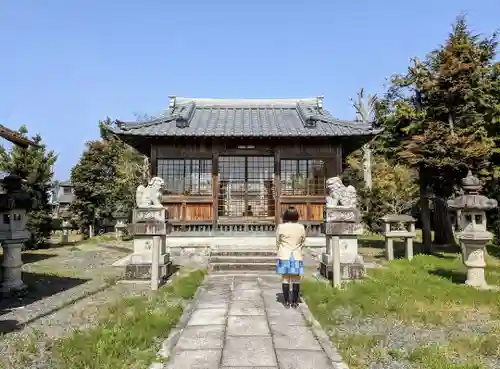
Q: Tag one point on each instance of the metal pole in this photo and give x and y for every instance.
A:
(155, 262)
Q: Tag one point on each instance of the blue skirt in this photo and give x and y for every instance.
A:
(293, 267)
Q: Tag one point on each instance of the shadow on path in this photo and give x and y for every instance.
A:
(40, 286)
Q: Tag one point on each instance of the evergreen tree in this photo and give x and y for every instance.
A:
(35, 165)
(105, 178)
(441, 116)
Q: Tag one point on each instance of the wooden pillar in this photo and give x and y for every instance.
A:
(153, 164)
(215, 190)
(277, 187)
(338, 160)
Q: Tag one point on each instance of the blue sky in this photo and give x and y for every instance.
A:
(66, 64)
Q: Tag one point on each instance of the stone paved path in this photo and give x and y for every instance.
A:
(238, 323)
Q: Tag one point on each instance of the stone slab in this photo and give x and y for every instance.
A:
(191, 359)
(208, 317)
(303, 359)
(249, 352)
(241, 325)
(252, 295)
(247, 326)
(249, 367)
(247, 308)
(213, 300)
(201, 338)
(230, 242)
(296, 337)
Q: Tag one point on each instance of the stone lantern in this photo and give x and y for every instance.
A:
(14, 202)
(121, 216)
(66, 226)
(473, 238)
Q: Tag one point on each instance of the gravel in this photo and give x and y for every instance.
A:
(69, 288)
(396, 336)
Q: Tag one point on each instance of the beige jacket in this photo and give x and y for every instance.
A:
(290, 239)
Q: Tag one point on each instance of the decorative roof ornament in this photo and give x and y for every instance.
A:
(471, 184)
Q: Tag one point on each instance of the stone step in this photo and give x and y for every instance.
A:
(246, 273)
(219, 267)
(244, 252)
(245, 259)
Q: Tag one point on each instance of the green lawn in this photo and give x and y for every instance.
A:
(131, 333)
(423, 296)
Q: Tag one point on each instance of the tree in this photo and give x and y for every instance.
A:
(440, 117)
(105, 178)
(365, 113)
(35, 165)
(394, 188)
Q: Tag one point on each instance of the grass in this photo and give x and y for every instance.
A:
(425, 293)
(130, 334)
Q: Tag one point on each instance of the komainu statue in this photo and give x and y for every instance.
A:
(339, 195)
(150, 196)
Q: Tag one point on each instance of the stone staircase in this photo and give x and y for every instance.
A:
(253, 260)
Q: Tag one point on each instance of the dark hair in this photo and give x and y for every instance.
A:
(291, 215)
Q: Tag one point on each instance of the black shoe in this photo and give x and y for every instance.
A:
(286, 294)
(295, 295)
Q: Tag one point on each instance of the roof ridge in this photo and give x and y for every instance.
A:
(200, 102)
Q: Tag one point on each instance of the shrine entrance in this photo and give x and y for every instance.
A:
(246, 190)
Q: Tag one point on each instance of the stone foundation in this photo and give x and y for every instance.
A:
(138, 267)
(348, 271)
(143, 271)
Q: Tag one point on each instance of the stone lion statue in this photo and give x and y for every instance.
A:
(339, 195)
(150, 196)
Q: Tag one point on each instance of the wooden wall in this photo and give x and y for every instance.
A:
(202, 210)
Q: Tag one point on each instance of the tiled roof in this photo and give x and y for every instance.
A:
(245, 118)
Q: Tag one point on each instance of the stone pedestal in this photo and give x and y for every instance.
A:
(473, 252)
(139, 267)
(342, 229)
(12, 282)
(148, 227)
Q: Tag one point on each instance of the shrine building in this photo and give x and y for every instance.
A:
(233, 165)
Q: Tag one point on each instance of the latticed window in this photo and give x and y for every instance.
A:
(186, 176)
(302, 177)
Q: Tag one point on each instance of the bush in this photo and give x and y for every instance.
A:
(394, 189)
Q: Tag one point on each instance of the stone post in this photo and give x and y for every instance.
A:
(14, 202)
(473, 237)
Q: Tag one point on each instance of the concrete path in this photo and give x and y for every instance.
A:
(238, 322)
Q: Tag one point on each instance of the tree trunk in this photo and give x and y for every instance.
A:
(425, 217)
(367, 165)
(443, 229)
